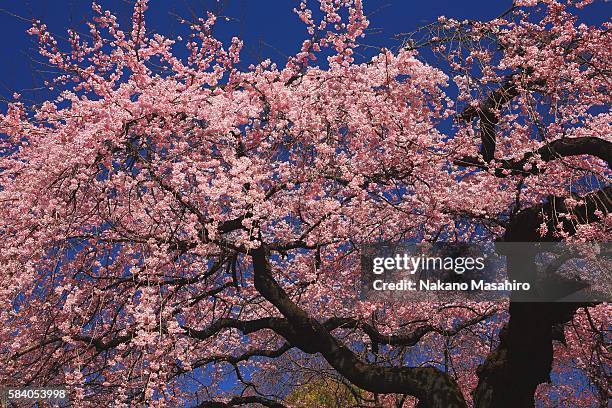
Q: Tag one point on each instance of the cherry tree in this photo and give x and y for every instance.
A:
(180, 230)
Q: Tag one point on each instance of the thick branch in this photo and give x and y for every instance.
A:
(557, 149)
(487, 113)
(524, 225)
(236, 401)
(242, 357)
(407, 339)
(430, 385)
(277, 324)
(525, 353)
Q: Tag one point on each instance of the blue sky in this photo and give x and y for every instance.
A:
(269, 28)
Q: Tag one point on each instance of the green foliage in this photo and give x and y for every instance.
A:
(324, 393)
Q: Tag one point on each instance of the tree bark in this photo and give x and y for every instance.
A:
(433, 388)
(523, 360)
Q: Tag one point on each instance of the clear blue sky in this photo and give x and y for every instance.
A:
(269, 27)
